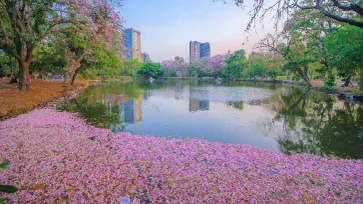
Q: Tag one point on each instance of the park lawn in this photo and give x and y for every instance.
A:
(14, 102)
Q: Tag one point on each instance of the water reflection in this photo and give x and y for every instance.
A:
(132, 109)
(320, 124)
(198, 105)
(275, 117)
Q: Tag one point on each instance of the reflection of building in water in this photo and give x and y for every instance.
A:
(133, 110)
(115, 99)
(198, 105)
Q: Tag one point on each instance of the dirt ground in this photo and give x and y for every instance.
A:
(14, 102)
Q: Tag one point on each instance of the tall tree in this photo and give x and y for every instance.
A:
(176, 67)
(216, 63)
(292, 49)
(235, 64)
(344, 50)
(150, 69)
(132, 66)
(256, 65)
(101, 24)
(23, 24)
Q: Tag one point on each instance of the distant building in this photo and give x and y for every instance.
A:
(146, 57)
(132, 42)
(198, 50)
(205, 50)
(194, 51)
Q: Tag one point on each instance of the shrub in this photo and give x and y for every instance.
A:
(326, 89)
(330, 81)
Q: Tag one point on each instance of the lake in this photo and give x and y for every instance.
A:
(284, 118)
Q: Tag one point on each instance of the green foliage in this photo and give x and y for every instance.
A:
(271, 74)
(360, 81)
(235, 64)
(345, 48)
(317, 76)
(197, 69)
(326, 89)
(104, 63)
(256, 65)
(131, 67)
(49, 58)
(4, 164)
(296, 77)
(330, 81)
(8, 189)
(150, 69)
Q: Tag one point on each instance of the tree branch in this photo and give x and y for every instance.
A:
(341, 19)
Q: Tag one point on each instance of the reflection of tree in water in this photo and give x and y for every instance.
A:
(100, 104)
(236, 104)
(95, 112)
(319, 124)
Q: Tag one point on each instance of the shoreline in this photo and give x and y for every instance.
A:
(45, 101)
(62, 159)
(355, 95)
(83, 84)
(55, 96)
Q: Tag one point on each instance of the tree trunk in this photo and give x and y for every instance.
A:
(303, 75)
(306, 80)
(24, 77)
(74, 78)
(347, 80)
(71, 73)
(68, 80)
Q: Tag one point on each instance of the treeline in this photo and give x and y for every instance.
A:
(310, 46)
(60, 37)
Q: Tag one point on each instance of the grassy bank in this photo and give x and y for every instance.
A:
(317, 85)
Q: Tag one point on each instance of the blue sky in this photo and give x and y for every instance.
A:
(167, 26)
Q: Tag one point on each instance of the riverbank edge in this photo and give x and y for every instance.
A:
(355, 95)
(348, 94)
(80, 86)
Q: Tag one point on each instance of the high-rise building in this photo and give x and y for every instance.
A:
(198, 50)
(146, 57)
(194, 50)
(132, 41)
(205, 50)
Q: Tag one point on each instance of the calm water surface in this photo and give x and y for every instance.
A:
(284, 118)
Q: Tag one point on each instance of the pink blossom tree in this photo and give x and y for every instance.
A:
(216, 63)
(174, 67)
(101, 24)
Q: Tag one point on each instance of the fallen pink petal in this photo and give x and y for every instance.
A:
(56, 158)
